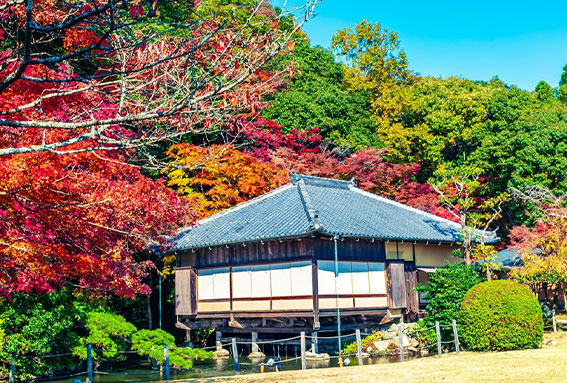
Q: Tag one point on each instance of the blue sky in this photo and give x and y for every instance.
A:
(521, 42)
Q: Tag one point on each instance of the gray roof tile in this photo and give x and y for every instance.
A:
(319, 205)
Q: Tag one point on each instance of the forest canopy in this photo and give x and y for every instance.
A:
(122, 122)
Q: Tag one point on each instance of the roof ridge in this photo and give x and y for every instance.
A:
(321, 181)
(404, 206)
(312, 213)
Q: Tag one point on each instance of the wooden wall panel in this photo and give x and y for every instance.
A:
(185, 291)
(412, 299)
(351, 250)
(396, 284)
(253, 253)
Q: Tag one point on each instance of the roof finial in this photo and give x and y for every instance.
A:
(294, 177)
(352, 181)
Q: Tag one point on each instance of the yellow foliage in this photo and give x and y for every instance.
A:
(217, 177)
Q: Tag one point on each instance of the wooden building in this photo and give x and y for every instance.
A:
(285, 261)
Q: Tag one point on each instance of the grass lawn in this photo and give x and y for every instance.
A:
(547, 364)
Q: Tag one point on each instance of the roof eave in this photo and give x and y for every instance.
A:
(249, 240)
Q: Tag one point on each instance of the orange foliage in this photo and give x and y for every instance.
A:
(217, 177)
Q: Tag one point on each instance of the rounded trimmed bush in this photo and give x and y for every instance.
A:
(500, 315)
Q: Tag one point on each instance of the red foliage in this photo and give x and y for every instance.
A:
(216, 177)
(265, 137)
(76, 218)
(304, 153)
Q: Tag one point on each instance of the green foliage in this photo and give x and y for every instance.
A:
(199, 337)
(150, 343)
(544, 91)
(366, 343)
(423, 334)
(445, 292)
(317, 98)
(500, 315)
(35, 325)
(107, 332)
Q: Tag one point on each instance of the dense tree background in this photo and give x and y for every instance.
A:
(75, 223)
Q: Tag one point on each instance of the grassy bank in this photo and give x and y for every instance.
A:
(546, 364)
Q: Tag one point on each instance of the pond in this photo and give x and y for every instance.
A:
(140, 370)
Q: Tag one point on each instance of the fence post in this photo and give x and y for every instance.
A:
(401, 340)
(303, 360)
(13, 368)
(359, 347)
(456, 337)
(554, 321)
(218, 336)
(166, 361)
(235, 355)
(89, 363)
(315, 342)
(255, 342)
(438, 332)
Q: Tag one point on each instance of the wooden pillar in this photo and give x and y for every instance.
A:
(235, 355)
(358, 347)
(255, 342)
(303, 360)
(438, 332)
(230, 286)
(166, 361)
(401, 340)
(219, 340)
(314, 342)
(315, 285)
(89, 364)
(456, 337)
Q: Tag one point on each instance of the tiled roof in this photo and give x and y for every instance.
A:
(310, 205)
(507, 258)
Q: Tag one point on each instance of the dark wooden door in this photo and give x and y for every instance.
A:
(185, 291)
(396, 284)
(412, 299)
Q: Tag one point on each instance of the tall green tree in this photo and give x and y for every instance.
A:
(374, 63)
(316, 97)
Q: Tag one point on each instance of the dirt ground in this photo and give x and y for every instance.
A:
(547, 364)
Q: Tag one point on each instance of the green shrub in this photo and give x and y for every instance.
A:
(424, 335)
(500, 315)
(150, 343)
(445, 292)
(365, 343)
(35, 325)
(108, 333)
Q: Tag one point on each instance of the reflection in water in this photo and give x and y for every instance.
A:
(140, 371)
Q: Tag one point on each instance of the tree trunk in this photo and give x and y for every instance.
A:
(467, 255)
(488, 274)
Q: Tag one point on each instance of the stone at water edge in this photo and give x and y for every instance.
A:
(412, 349)
(312, 356)
(381, 345)
(396, 342)
(256, 355)
(222, 354)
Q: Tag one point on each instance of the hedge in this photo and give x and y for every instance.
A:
(500, 315)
